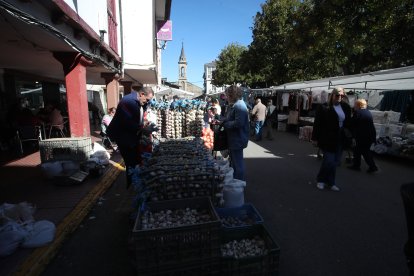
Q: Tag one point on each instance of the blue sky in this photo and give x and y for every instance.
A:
(206, 27)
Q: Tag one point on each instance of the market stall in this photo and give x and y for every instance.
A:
(191, 217)
(394, 127)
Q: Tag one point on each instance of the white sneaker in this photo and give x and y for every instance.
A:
(335, 188)
(320, 185)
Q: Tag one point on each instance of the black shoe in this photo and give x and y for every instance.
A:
(354, 168)
(372, 170)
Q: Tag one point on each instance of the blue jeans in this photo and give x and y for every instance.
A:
(131, 158)
(330, 161)
(258, 127)
(237, 163)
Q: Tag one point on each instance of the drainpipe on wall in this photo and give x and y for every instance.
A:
(122, 38)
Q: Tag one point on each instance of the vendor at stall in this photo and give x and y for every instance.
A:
(127, 127)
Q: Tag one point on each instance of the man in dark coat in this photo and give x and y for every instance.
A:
(127, 126)
(363, 131)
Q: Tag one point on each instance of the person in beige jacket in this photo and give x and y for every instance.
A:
(258, 115)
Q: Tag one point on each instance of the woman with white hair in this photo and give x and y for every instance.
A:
(364, 133)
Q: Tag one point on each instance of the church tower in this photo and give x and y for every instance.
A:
(182, 70)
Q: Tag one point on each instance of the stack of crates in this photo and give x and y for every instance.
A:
(185, 250)
(248, 224)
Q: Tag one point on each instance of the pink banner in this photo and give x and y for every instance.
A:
(164, 30)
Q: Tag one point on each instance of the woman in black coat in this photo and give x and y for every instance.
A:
(363, 131)
(331, 133)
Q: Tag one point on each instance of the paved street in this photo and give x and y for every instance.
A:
(357, 231)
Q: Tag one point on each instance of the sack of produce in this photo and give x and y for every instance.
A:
(233, 193)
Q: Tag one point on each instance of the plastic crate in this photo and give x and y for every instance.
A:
(183, 186)
(261, 265)
(204, 268)
(76, 149)
(247, 215)
(177, 247)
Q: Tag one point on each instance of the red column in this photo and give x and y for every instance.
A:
(112, 89)
(74, 67)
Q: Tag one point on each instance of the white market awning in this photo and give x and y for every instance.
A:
(169, 91)
(392, 79)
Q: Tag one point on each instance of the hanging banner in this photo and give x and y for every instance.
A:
(164, 30)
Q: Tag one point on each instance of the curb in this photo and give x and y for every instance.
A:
(37, 261)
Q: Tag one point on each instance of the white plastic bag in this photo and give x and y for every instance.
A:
(233, 193)
(11, 236)
(70, 166)
(40, 233)
(100, 154)
(51, 169)
(20, 213)
(228, 176)
(224, 165)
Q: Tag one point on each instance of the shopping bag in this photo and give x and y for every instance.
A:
(220, 139)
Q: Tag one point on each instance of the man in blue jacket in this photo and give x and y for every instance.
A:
(236, 124)
(127, 126)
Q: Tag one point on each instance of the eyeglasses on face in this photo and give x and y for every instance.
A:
(340, 95)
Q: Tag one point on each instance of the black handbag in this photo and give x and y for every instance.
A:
(220, 138)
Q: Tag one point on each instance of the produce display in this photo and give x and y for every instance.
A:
(185, 119)
(181, 168)
(244, 248)
(208, 138)
(179, 190)
(173, 218)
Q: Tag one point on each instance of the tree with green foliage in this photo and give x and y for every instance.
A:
(228, 66)
(271, 30)
(346, 37)
(297, 40)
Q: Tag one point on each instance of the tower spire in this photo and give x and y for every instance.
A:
(182, 55)
(182, 69)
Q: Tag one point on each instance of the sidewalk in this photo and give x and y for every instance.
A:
(66, 206)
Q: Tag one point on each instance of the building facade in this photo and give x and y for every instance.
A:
(51, 44)
(209, 88)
